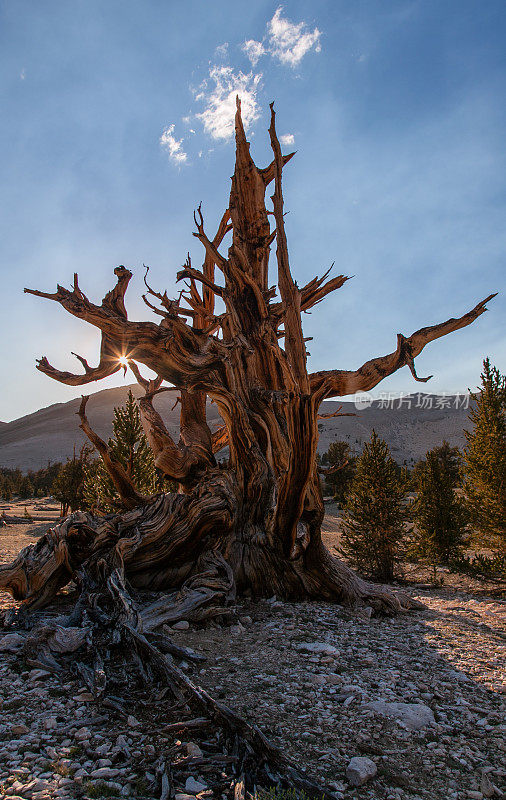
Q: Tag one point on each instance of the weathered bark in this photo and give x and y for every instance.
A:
(261, 511)
(251, 523)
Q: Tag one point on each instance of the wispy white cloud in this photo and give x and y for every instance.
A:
(222, 50)
(22, 74)
(173, 146)
(219, 99)
(253, 50)
(286, 41)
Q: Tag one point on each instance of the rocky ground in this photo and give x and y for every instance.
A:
(419, 700)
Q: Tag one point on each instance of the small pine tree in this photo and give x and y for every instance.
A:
(341, 468)
(485, 460)
(372, 524)
(68, 485)
(129, 446)
(440, 532)
(26, 488)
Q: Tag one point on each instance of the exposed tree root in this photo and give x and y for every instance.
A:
(108, 639)
(180, 544)
(141, 569)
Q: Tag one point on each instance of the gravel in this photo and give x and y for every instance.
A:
(330, 687)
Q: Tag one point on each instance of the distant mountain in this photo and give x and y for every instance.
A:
(410, 427)
(52, 433)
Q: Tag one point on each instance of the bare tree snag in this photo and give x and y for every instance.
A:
(338, 383)
(250, 523)
(260, 511)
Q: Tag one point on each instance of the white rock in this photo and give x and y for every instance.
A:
(193, 750)
(236, 629)
(317, 647)
(11, 642)
(360, 770)
(82, 735)
(122, 742)
(414, 716)
(349, 689)
(182, 625)
(105, 772)
(194, 786)
(84, 697)
(17, 786)
(19, 730)
(37, 674)
(486, 786)
(334, 679)
(35, 785)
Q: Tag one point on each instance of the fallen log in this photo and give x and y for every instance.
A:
(31, 518)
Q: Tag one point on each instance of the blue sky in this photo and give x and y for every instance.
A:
(114, 126)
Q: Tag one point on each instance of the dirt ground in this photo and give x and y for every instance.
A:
(14, 537)
(420, 575)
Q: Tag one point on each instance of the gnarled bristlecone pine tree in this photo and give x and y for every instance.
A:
(250, 524)
(258, 516)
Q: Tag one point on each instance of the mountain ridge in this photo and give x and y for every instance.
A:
(52, 433)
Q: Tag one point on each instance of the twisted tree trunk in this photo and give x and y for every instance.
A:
(250, 524)
(262, 511)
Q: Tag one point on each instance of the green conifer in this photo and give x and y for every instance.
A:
(485, 460)
(26, 488)
(440, 518)
(129, 446)
(340, 468)
(372, 524)
(68, 485)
